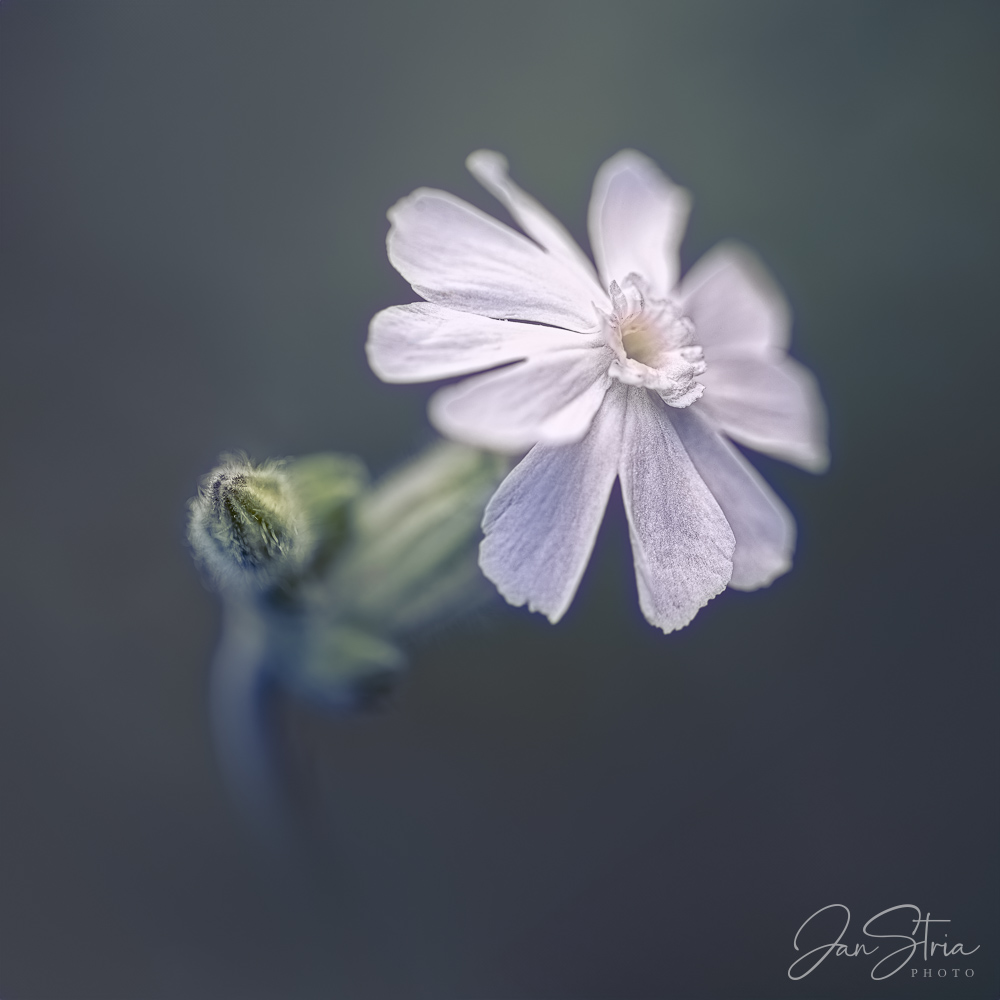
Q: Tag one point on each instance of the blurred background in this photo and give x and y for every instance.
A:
(193, 222)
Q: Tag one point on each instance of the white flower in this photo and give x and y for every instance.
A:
(619, 372)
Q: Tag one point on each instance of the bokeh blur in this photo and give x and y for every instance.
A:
(193, 222)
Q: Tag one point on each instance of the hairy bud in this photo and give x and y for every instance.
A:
(246, 525)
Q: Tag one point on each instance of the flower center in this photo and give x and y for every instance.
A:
(653, 344)
(641, 341)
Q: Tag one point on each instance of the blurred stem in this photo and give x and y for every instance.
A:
(241, 703)
(382, 563)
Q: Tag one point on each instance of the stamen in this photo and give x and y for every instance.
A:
(638, 285)
(618, 300)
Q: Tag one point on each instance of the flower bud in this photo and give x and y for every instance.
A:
(246, 525)
(326, 487)
(413, 558)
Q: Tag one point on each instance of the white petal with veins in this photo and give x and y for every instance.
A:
(422, 341)
(541, 524)
(682, 543)
(762, 525)
(636, 221)
(457, 256)
(734, 302)
(770, 403)
(549, 398)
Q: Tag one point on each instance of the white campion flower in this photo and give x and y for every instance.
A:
(619, 372)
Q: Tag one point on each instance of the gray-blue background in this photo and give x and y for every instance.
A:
(193, 222)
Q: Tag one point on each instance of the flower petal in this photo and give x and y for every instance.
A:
(734, 302)
(636, 222)
(541, 524)
(549, 399)
(421, 342)
(457, 256)
(681, 541)
(770, 403)
(490, 169)
(762, 524)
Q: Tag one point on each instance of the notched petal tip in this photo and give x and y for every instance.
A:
(496, 574)
(554, 616)
(653, 615)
